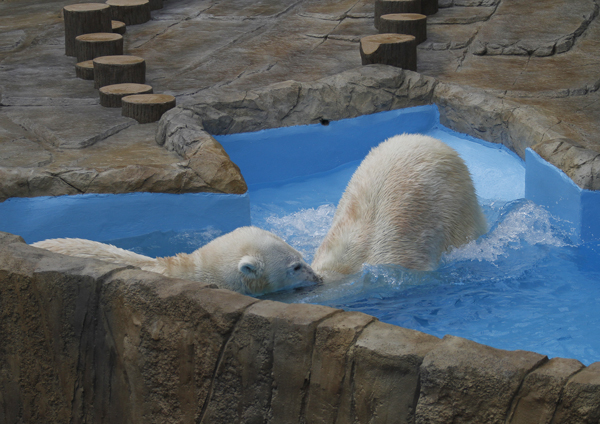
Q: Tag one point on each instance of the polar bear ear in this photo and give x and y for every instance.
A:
(250, 266)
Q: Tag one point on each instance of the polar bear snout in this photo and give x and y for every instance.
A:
(303, 273)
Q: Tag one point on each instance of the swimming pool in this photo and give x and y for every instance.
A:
(530, 283)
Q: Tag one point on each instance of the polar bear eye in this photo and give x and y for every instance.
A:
(297, 267)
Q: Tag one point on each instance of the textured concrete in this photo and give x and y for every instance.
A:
(529, 63)
(88, 341)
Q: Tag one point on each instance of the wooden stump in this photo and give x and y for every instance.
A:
(111, 95)
(90, 46)
(85, 70)
(156, 4)
(387, 7)
(429, 7)
(146, 108)
(118, 27)
(390, 49)
(84, 18)
(132, 12)
(110, 70)
(405, 23)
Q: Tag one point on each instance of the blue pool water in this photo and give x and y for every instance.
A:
(524, 285)
(532, 282)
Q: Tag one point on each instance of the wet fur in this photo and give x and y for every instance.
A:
(410, 200)
(247, 260)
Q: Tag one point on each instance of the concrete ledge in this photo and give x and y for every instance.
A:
(92, 341)
(370, 89)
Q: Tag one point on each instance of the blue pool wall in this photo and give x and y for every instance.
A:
(103, 217)
(579, 209)
(265, 157)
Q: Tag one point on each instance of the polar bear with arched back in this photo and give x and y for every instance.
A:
(410, 200)
(247, 260)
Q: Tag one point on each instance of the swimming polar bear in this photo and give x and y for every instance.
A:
(410, 200)
(247, 260)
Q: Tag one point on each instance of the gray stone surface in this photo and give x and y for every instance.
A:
(532, 58)
(466, 382)
(580, 401)
(386, 373)
(98, 342)
(541, 391)
(330, 396)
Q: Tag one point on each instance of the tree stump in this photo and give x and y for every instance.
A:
(90, 46)
(146, 108)
(387, 7)
(111, 95)
(132, 12)
(85, 70)
(110, 70)
(118, 27)
(156, 4)
(429, 7)
(405, 23)
(389, 49)
(84, 18)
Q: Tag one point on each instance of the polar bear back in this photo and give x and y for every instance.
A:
(410, 200)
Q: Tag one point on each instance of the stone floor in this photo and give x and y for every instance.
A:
(546, 57)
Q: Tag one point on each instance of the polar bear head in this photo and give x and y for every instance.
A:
(254, 261)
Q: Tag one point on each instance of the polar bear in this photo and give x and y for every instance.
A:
(247, 260)
(410, 200)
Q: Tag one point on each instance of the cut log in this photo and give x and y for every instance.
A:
(405, 23)
(84, 18)
(146, 108)
(90, 46)
(387, 7)
(156, 4)
(118, 27)
(85, 70)
(389, 49)
(429, 7)
(110, 70)
(132, 12)
(111, 95)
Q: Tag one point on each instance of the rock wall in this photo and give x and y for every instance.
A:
(371, 89)
(87, 341)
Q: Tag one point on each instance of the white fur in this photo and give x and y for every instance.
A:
(410, 200)
(247, 260)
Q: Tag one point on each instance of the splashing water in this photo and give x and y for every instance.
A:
(520, 286)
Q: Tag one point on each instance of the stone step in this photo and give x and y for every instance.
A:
(90, 46)
(84, 18)
(119, 69)
(111, 95)
(132, 12)
(146, 108)
(405, 23)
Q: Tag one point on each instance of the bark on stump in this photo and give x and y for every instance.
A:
(118, 27)
(398, 50)
(132, 12)
(110, 70)
(111, 95)
(85, 70)
(387, 7)
(429, 7)
(90, 46)
(84, 18)
(405, 23)
(156, 4)
(146, 108)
